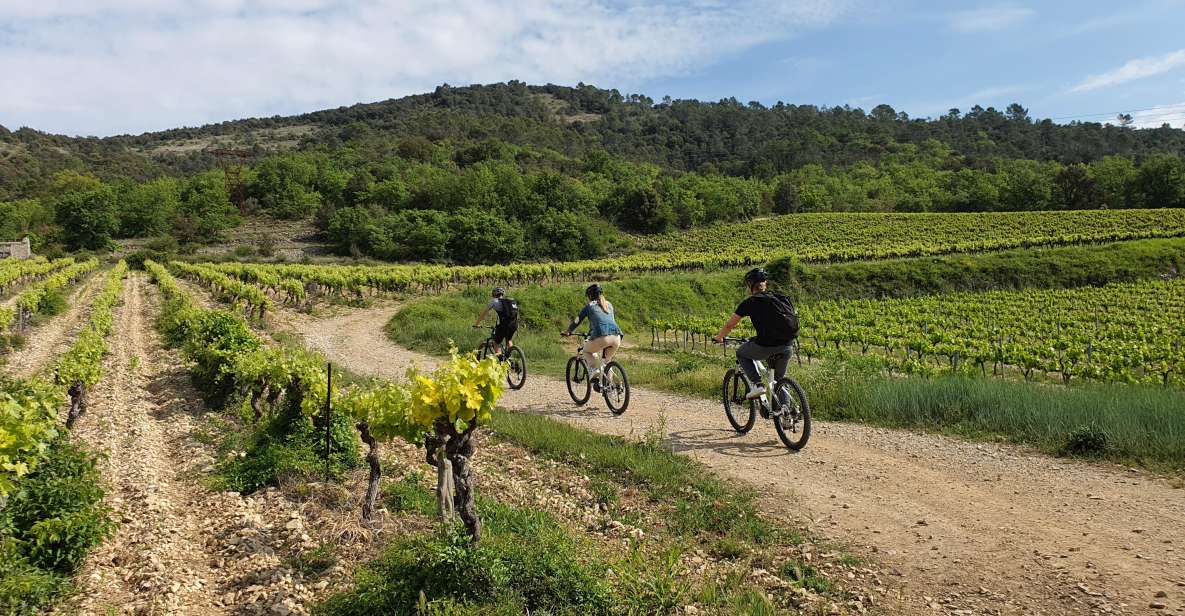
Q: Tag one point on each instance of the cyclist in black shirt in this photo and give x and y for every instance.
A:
(774, 334)
(507, 311)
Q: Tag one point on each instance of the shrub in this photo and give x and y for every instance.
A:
(1089, 440)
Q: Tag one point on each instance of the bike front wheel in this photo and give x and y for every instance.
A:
(483, 350)
(792, 416)
(576, 377)
(516, 368)
(615, 386)
(740, 412)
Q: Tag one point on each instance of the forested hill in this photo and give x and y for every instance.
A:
(509, 172)
(729, 137)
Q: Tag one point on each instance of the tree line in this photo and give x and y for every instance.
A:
(490, 201)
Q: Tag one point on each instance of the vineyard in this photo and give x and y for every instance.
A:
(386, 468)
(809, 238)
(1125, 333)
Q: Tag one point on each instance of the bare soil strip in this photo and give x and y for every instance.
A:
(968, 528)
(50, 339)
(180, 548)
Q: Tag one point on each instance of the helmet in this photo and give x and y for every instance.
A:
(593, 291)
(498, 292)
(756, 275)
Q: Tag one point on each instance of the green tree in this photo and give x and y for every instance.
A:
(480, 236)
(148, 209)
(205, 209)
(1074, 189)
(565, 236)
(1160, 182)
(641, 209)
(1114, 176)
(88, 219)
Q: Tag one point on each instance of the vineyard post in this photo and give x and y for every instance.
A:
(328, 414)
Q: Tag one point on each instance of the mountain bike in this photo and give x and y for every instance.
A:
(611, 381)
(785, 403)
(516, 369)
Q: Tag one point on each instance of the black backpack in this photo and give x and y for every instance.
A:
(508, 310)
(785, 308)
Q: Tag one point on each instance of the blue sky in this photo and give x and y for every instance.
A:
(102, 67)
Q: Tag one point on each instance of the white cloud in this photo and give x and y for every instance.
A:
(1173, 115)
(992, 18)
(109, 66)
(1132, 70)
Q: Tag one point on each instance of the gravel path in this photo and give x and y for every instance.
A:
(50, 339)
(180, 548)
(971, 528)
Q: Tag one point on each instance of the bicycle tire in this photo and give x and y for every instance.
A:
(620, 388)
(516, 368)
(732, 394)
(576, 377)
(483, 350)
(786, 433)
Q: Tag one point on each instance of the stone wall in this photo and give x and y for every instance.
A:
(16, 250)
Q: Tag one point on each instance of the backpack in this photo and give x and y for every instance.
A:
(508, 310)
(789, 325)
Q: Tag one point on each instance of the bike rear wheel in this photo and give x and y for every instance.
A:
(615, 386)
(740, 412)
(576, 377)
(792, 419)
(516, 368)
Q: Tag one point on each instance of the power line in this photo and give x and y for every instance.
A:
(1115, 113)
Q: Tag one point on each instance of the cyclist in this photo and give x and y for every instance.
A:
(776, 323)
(507, 311)
(603, 332)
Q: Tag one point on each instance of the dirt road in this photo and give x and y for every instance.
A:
(970, 528)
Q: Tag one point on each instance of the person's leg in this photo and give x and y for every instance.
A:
(612, 343)
(592, 347)
(747, 356)
(782, 363)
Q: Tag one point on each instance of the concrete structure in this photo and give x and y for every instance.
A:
(16, 250)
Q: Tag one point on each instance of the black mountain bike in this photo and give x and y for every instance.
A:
(612, 382)
(516, 369)
(785, 403)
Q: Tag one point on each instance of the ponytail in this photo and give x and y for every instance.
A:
(602, 303)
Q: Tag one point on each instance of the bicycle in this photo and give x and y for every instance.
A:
(516, 371)
(790, 411)
(613, 383)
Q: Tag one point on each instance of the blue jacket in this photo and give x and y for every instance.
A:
(600, 323)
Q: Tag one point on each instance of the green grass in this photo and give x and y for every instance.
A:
(704, 507)
(1141, 425)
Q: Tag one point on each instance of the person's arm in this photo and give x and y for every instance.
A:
(728, 327)
(481, 317)
(579, 319)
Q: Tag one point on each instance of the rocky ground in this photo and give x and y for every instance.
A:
(963, 527)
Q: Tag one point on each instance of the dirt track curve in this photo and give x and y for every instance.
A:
(970, 528)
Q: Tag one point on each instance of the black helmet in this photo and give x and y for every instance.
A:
(593, 291)
(756, 275)
(498, 292)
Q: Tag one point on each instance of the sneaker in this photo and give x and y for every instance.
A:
(755, 394)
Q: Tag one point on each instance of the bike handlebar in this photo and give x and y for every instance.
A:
(733, 339)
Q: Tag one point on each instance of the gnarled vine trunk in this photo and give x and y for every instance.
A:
(376, 470)
(457, 452)
(77, 393)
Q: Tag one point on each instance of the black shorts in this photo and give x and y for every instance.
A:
(504, 332)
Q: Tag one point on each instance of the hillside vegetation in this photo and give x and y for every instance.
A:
(509, 172)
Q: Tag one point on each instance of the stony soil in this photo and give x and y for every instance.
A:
(965, 528)
(53, 335)
(180, 547)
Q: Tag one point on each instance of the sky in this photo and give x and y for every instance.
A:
(107, 67)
